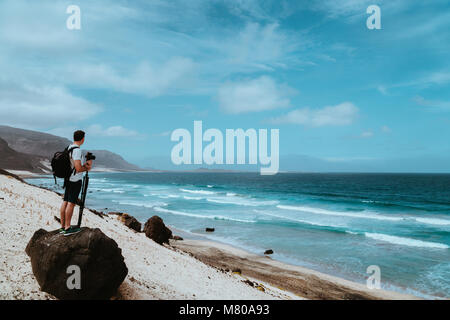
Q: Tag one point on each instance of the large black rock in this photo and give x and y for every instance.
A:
(156, 230)
(100, 261)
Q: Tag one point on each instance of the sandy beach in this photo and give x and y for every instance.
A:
(301, 281)
(188, 269)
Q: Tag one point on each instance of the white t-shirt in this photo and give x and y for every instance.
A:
(77, 154)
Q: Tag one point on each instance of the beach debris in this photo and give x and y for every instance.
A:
(178, 238)
(115, 213)
(57, 219)
(98, 213)
(131, 222)
(210, 229)
(85, 265)
(156, 230)
(261, 288)
(236, 271)
(269, 251)
(250, 283)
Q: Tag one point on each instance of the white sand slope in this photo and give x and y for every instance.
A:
(155, 272)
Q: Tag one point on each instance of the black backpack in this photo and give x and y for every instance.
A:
(61, 165)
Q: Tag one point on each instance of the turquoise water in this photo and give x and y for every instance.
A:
(335, 223)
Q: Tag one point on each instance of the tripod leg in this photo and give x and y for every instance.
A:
(83, 198)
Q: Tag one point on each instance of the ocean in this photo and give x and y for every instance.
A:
(338, 224)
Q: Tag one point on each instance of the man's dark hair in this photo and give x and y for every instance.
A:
(78, 135)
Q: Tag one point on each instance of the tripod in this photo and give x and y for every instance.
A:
(83, 197)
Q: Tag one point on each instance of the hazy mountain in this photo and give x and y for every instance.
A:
(33, 142)
(13, 160)
(107, 159)
(32, 151)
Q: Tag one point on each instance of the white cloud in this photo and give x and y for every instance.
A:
(263, 47)
(114, 131)
(40, 107)
(339, 115)
(354, 9)
(382, 89)
(437, 105)
(423, 26)
(253, 95)
(96, 131)
(256, 9)
(162, 134)
(337, 8)
(147, 60)
(438, 78)
(386, 129)
(145, 79)
(367, 134)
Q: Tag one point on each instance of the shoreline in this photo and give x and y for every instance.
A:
(236, 252)
(301, 281)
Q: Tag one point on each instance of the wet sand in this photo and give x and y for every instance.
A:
(301, 281)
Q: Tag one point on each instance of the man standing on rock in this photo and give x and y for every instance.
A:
(73, 184)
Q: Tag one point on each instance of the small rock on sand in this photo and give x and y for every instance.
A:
(250, 283)
(236, 270)
(156, 230)
(131, 222)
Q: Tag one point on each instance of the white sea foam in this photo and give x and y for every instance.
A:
(197, 191)
(435, 221)
(192, 198)
(168, 196)
(314, 223)
(339, 213)
(365, 215)
(242, 202)
(405, 241)
(146, 204)
(213, 217)
(112, 190)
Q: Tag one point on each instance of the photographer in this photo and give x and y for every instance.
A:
(73, 184)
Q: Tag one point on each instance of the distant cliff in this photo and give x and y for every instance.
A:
(13, 160)
(32, 151)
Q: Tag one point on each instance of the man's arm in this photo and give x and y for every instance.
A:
(79, 168)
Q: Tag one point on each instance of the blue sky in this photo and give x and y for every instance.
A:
(347, 96)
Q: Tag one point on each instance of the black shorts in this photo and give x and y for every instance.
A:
(72, 191)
